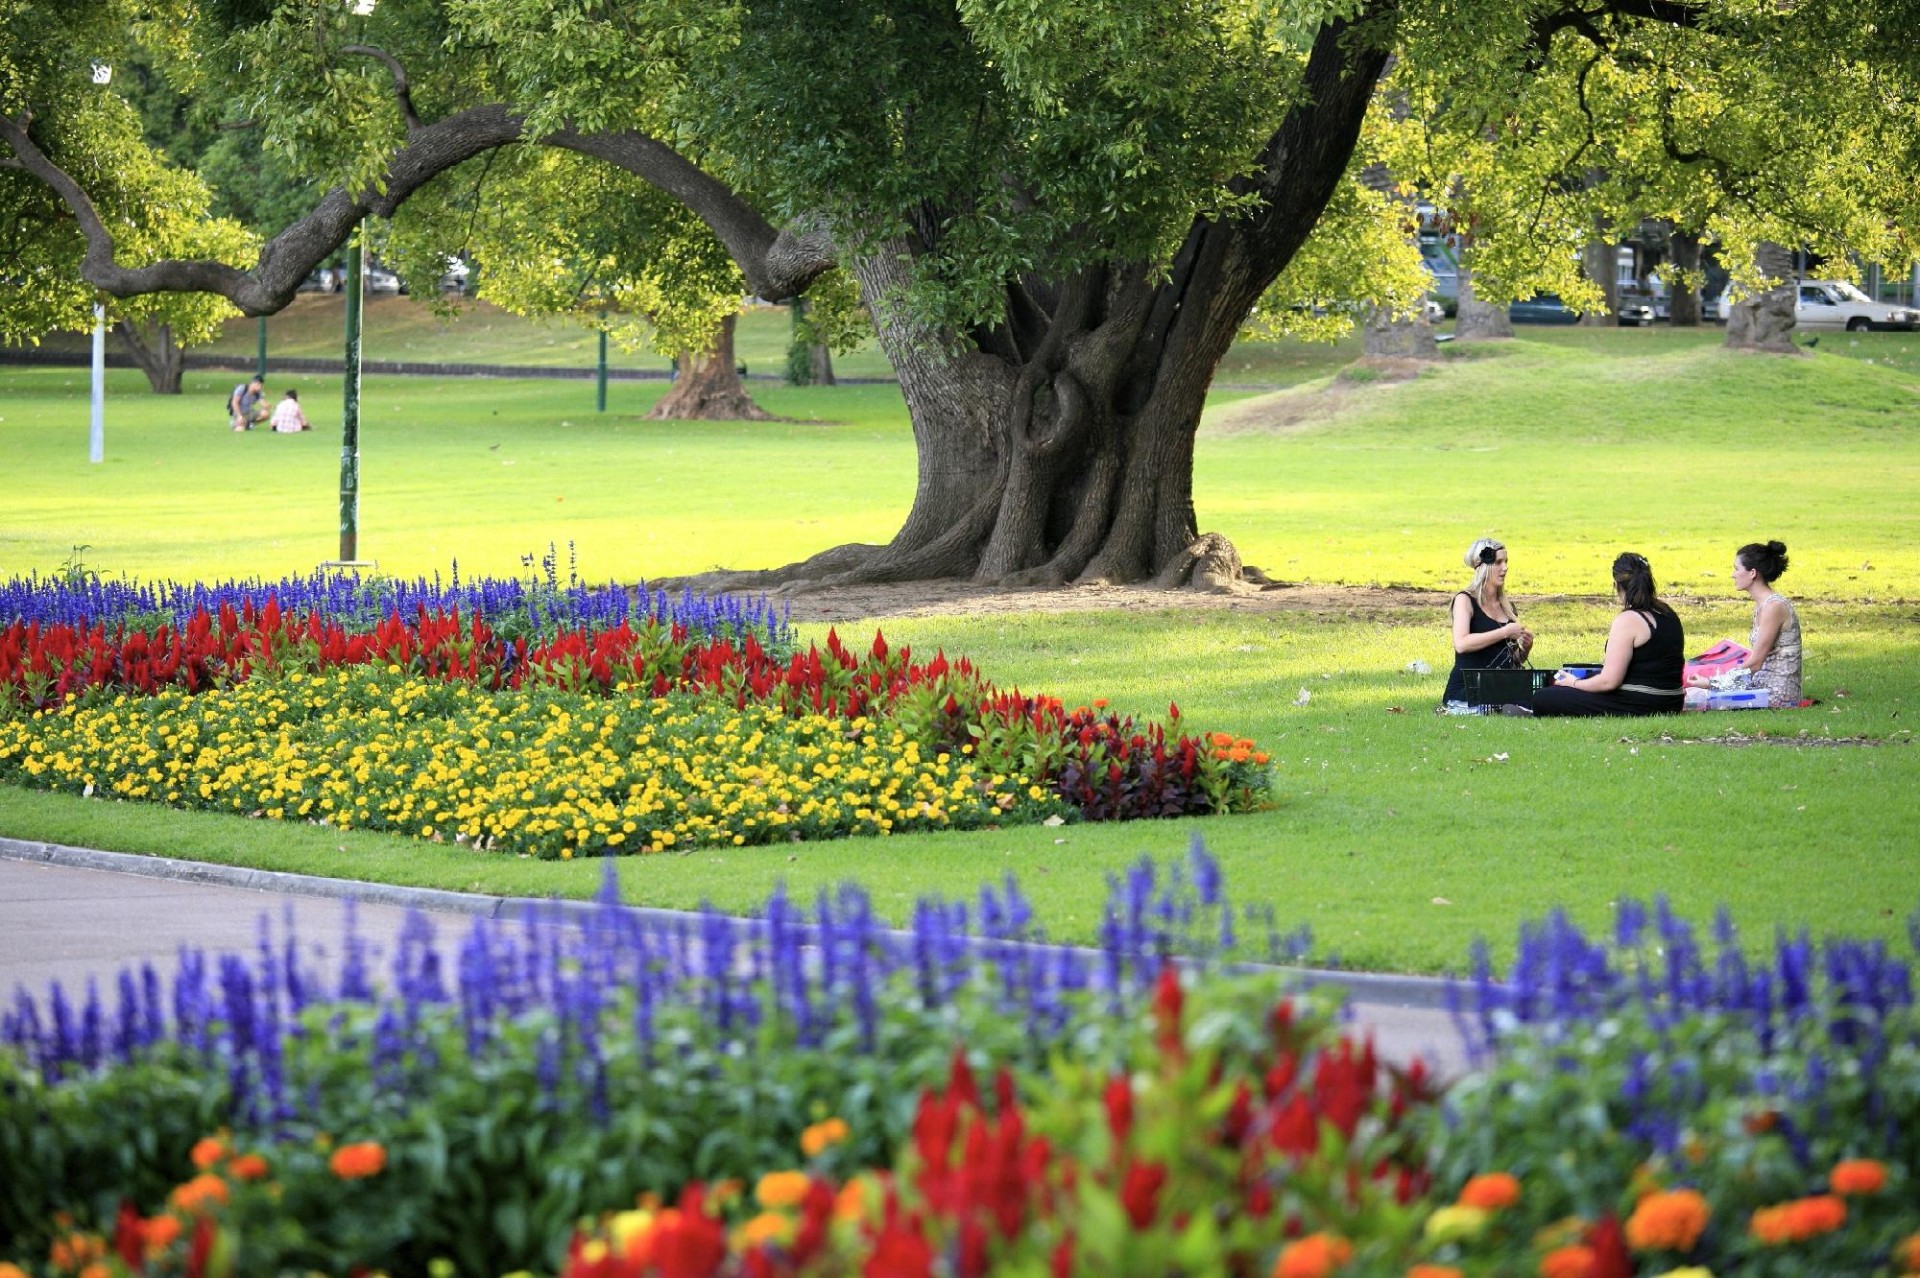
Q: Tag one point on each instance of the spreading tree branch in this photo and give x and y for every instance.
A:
(777, 264)
(285, 259)
(402, 89)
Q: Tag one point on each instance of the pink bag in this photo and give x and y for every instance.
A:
(1723, 656)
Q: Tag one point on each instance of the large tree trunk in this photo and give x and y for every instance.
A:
(1057, 445)
(707, 386)
(1389, 336)
(154, 350)
(1683, 306)
(1474, 320)
(1765, 321)
(1599, 262)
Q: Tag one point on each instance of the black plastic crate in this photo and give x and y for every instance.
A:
(1503, 687)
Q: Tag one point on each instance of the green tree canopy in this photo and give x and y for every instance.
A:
(1058, 214)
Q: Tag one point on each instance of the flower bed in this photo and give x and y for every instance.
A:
(560, 740)
(789, 1085)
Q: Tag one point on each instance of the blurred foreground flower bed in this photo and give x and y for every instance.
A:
(605, 1092)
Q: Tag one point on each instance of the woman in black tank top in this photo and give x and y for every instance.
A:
(1487, 634)
(1646, 656)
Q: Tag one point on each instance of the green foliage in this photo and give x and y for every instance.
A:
(152, 208)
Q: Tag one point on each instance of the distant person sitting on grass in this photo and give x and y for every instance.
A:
(1773, 661)
(1646, 656)
(247, 404)
(287, 417)
(1487, 634)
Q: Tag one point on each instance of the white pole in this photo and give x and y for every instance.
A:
(97, 439)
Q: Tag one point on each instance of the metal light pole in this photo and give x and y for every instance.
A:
(97, 436)
(350, 428)
(600, 385)
(260, 361)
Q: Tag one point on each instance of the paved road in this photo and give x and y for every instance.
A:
(65, 924)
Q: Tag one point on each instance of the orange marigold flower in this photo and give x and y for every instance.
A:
(767, 1227)
(159, 1233)
(1315, 1256)
(358, 1161)
(1491, 1192)
(781, 1189)
(1906, 1256)
(207, 1151)
(1798, 1220)
(851, 1202)
(1668, 1221)
(1261, 756)
(1434, 1271)
(10, 1270)
(1567, 1262)
(248, 1167)
(97, 1269)
(199, 1194)
(819, 1137)
(1859, 1176)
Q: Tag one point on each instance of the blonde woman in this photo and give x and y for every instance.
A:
(1487, 634)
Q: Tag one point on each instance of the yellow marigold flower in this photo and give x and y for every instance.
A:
(767, 1227)
(1453, 1224)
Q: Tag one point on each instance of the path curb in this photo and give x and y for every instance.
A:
(1377, 988)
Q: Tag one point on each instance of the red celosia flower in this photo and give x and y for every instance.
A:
(1609, 1245)
(1168, 1001)
(1061, 1262)
(1119, 1103)
(688, 1243)
(1140, 1192)
(129, 1237)
(900, 1250)
(1296, 1128)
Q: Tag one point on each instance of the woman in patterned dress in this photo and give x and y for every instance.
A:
(1774, 662)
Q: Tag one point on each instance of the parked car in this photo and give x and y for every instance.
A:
(1542, 308)
(1635, 314)
(324, 280)
(1434, 310)
(1639, 307)
(454, 278)
(1836, 304)
(381, 280)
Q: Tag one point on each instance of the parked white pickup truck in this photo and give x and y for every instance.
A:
(1837, 304)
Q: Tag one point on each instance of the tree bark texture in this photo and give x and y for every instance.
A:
(154, 350)
(708, 386)
(1599, 262)
(1389, 336)
(1683, 307)
(1765, 321)
(1475, 320)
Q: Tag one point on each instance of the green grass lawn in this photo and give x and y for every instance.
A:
(1569, 444)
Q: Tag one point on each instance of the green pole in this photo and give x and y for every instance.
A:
(260, 363)
(600, 389)
(350, 431)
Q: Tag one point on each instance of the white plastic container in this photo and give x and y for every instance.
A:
(1737, 699)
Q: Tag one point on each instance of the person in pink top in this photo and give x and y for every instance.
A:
(287, 417)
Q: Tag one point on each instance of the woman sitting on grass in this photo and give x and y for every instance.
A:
(1774, 662)
(1646, 656)
(1487, 634)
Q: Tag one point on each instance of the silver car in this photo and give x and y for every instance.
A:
(1836, 304)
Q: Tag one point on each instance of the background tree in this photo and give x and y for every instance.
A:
(1059, 216)
(152, 208)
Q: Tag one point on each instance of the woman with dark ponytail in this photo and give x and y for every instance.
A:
(1774, 659)
(1646, 656)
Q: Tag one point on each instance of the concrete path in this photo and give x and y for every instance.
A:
(63, 923)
